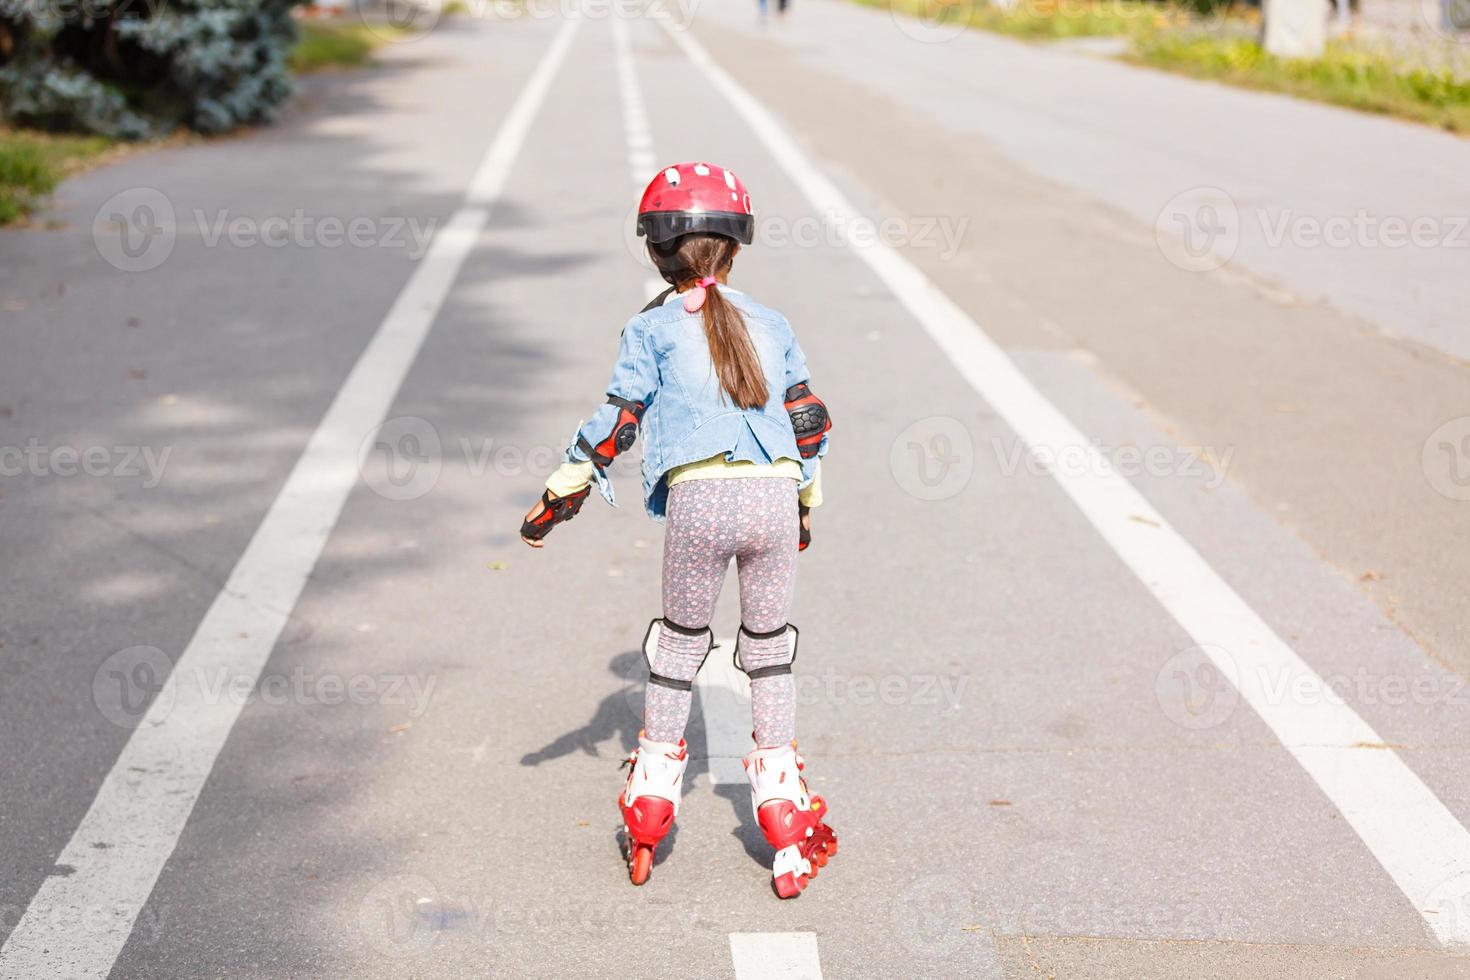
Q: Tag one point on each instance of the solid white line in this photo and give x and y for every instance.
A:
(1413, 836)
(775, 956)
(76, 925)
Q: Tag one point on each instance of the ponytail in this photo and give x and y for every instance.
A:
(694, 262)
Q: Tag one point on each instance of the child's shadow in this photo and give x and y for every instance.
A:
(620, 716)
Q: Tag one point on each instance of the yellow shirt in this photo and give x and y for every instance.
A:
(574, 477)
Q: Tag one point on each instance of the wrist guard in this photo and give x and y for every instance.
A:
(804, 538)
(809, 418)
(558, 510)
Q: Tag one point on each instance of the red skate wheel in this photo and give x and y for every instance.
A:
(819, 859)
(640, 864)
(788, 885)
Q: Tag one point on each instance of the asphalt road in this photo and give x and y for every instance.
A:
(1103, 516)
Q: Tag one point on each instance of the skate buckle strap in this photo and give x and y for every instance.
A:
(772, 670)
(650, 646)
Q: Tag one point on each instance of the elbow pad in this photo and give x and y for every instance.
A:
(624, 433)
(809, 418)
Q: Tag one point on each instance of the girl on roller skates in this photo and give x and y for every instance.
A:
(718, 386)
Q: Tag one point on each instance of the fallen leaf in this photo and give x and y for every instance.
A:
(499, 566)
(1143, 520)
(1001, 803)
(1371, 576)
(400, 729)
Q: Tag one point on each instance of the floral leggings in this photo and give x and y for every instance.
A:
(710, 521)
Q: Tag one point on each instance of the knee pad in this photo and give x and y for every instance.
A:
(782, 666)
(650, 647)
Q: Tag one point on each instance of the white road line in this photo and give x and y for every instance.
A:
(775, 956)
(77, 924)
(724, 692)
(1413, 836)
(724, 701)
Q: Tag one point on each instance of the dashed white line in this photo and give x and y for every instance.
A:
(1416, 839)
(76, 924)
(724, 701)
(775, 956)
(723, 691)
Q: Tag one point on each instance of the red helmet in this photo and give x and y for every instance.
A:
(695, 197)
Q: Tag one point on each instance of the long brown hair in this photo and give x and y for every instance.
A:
(683, 262)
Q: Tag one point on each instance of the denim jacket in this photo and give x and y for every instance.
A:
(664, 363)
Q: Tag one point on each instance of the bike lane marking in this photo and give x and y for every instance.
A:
(77, 924)
(1409, 831)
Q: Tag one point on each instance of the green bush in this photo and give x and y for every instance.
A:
(134, 68)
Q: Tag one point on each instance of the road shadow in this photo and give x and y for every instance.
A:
(618, 717)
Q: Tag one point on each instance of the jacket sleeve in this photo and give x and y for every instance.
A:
(634, 379)
(796, 371)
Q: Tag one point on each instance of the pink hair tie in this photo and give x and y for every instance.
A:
(694, 302)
